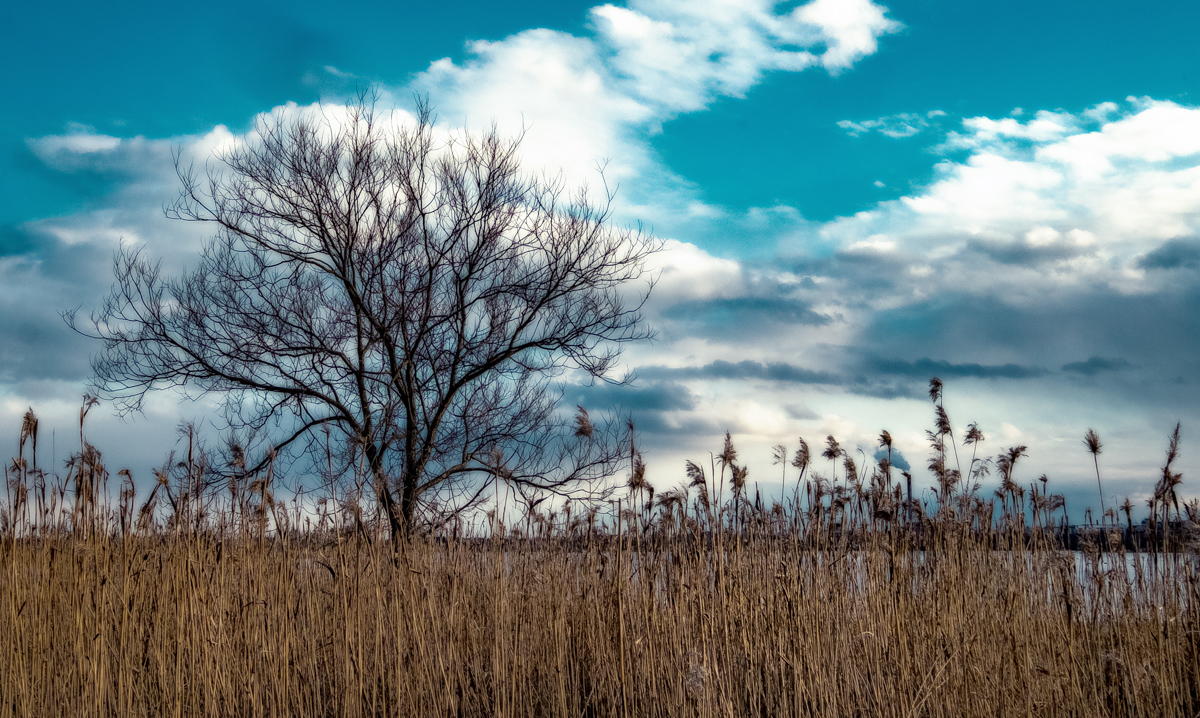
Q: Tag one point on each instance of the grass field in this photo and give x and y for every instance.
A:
(657, 623)
(847, 601)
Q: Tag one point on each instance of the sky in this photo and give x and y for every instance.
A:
(853, 197)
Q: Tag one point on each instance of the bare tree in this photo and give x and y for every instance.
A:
(409, 287)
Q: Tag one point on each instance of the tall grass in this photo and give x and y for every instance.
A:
(698, 601)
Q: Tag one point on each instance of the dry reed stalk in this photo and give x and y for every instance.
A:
(195, 626)
(845, 607)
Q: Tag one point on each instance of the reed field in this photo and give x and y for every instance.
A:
(847, 599)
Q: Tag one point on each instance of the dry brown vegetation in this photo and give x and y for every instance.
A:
(632, 625)
(847, 601)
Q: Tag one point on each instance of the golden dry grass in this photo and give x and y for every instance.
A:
(850, 601)
(658, 624)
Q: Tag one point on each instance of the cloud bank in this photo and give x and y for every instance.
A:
(1054, 254)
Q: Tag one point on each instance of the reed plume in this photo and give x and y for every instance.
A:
(1092, 441)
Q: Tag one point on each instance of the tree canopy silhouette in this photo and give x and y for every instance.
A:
(408, 287)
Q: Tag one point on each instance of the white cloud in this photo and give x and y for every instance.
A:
(876, 243)
(1107, 183)
(680, 54)
(80, 143)
(685, 272)
(678, 65)
(905, 124)
(851, 27)
(79, 149)
(1042, 236)
(1046, 126)
(552, 85)
(1160, 132)
(584, 100)
(988, 192)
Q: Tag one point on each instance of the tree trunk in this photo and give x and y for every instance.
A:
(375, 458)
(408, 500)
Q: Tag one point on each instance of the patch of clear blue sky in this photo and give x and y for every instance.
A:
(165, 69)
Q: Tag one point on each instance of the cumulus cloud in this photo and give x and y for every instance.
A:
(584, 100)
(979, 132)
(678, 55)
(851, 28)
(1070, 199)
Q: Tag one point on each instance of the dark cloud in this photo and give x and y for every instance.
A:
(909, 385)
(1095, 365)
(1182, 252)
(41, 278)
(658, 396)
(952, 321)
(898, 460)
(39, 346)
(651, 406)
(719, 313)
(871, 272)
(770, 371)
(886, 388)
(1158, 334)
(14, 241)
(926, 368)
(1023, 253)
(855, 261)
(76, 179)
(798, 412)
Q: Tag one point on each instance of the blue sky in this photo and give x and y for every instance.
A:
(855, 195)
